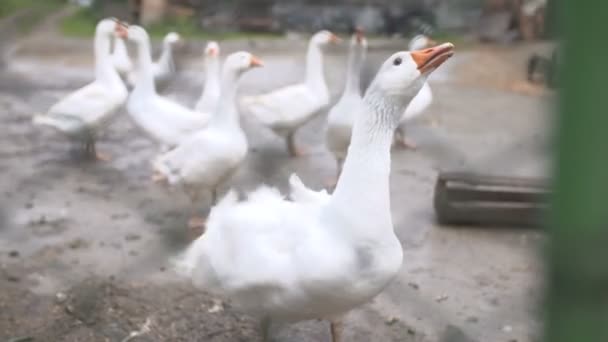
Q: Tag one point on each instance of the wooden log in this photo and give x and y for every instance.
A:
(476, 199)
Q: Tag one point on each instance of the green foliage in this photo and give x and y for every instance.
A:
(8, 7)
(82, 24)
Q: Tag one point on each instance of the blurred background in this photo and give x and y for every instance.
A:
(84, 246)
(492, 20)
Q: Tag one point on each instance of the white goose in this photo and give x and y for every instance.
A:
(286, 109)
(120, 57)
(341, 116)
(210, 156)
(161, 119)
(211, 93)
(81, 114)
(162, 69)
(421, 102)
(318, 256)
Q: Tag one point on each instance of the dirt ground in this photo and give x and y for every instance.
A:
(84, 247)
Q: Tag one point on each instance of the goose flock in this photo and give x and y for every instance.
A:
(284, 258)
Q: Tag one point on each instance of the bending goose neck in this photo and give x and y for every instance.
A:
(104, 69)
(145, 78)
(212, 74)
(166, 57)
(314, 68)
(353, 76)
(120, 48)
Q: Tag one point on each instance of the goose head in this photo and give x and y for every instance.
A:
(323, 38)
(135, 34)
(239, 62)
(109, 26)
(402, 75)
(420, 42)
(172, 38)
(212, 49)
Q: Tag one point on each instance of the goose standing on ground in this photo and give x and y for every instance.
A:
(286, 109)
(120, 57)
(341, 116)
(210, 156)
(164, 68)
(163, 120)
(211, 92)
(81, 114)
(421, 102)
(320, 255)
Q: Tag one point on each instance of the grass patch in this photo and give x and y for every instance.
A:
(82, 24)
(457, 39)
(29, 12)
(8, 7)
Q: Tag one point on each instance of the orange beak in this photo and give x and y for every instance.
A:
(431, 58)
(212, 51)
(334, 39)
(121, 30)
(255, 62)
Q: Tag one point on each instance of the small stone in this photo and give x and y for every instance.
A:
(507, 328)
(218, 306)
(413, 285)
(472, 319)
(12, 278)
(60, 297)
(441, 298)
(29, 205)
(13, 254)
(163, 268)
(411, 331)
(133, 253)
(391, 321)
(132, 237)
(77, 243)
(119, 216)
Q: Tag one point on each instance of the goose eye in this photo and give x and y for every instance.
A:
(397, 61)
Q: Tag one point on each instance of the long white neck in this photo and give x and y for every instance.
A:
(212, 74)
(353, 76)
(165, 61)
(120, 48)
(315, 78)
(144, 84)
(227, 115)
(104, 69)
(363, 188)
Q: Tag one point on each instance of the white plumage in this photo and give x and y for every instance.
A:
(83, 113)
(286, 109)
(162, 119)
(317, 255)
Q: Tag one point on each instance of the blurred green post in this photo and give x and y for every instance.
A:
(577, 307)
